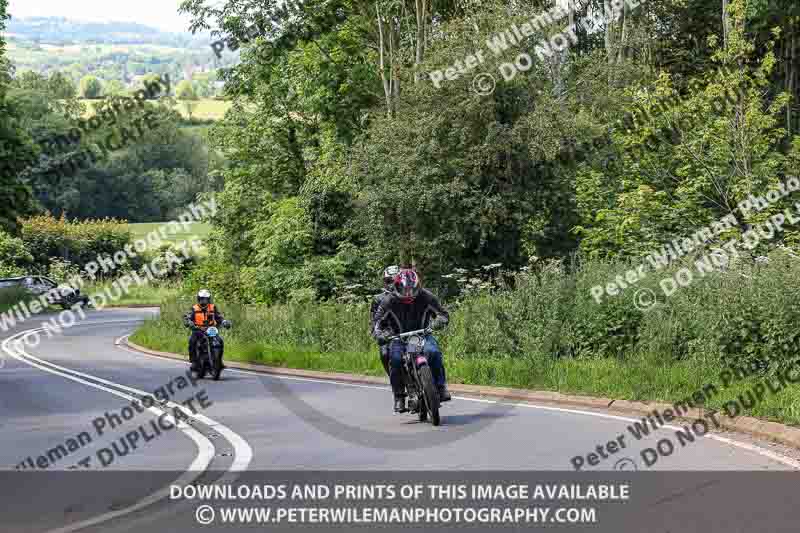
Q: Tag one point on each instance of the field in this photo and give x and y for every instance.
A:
(198, 229)
(205, 109)
(151, 294)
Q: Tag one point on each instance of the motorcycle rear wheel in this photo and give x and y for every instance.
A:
(431, 396)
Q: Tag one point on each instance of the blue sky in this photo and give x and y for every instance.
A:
(162, 14)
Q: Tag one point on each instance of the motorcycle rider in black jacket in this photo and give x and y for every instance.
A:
(388, 278)
(407, 308)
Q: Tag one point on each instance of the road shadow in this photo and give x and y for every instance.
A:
(473, 418)
(463, 419)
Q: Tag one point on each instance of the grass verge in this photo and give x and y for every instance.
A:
(259, 337)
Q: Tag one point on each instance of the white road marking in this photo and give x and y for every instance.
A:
(742, 445)
(206, 451)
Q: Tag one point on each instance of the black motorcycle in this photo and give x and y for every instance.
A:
(209, 353)
(422, 394)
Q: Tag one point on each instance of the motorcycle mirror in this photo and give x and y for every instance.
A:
(226, 324)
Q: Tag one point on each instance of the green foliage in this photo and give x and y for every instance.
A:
(743, 317)
(9, 297)
(13, 252)
(60, 86)
(16, 148)
(115, 88)
(185, 91)
(639, 134)
(691, 156)
(153, 177)
(78, 242)
(91, 87)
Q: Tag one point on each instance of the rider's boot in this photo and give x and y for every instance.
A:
(444, 394)
(400, 404)
(413, 405)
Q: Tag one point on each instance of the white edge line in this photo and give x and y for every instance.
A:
(243, 452)
(199, 465)
(743, 445)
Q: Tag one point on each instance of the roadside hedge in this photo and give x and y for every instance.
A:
(78, 242)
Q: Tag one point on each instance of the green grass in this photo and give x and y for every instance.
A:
(200, 130)
(153, 294)
(205, 109)
(11, 297)
(199, 230)
(333, 338)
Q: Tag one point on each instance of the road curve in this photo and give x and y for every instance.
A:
(52, 392)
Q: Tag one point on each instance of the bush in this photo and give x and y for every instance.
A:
(9, 297)
(745, 315)
(78, 242)
(14, 255)
(222, 279)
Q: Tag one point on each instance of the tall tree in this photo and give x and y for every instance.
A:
(16, 148)
(91, 87)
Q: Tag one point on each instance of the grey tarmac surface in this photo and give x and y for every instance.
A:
(288, 424)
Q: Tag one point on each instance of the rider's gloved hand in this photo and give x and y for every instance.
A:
(428, 331)
(383, 337)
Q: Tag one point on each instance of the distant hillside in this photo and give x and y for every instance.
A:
(63, 31)
(118, 51)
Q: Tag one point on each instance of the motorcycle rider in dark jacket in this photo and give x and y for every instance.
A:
(388, 278)
(203, 315)
(407, 308)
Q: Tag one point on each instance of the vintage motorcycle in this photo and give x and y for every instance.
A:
(209, 353)
(422, 394)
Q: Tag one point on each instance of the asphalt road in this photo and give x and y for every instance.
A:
(60, 398)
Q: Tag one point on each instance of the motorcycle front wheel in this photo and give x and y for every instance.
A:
(201, 365)
(430, 394)
(216, 364)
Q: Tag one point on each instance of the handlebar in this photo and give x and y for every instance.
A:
(407, 334)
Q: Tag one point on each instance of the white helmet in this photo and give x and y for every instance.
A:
(204, 297)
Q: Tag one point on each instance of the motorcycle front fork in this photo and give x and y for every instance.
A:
(412, 393)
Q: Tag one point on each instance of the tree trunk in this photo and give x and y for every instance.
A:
(422, 18)
(609, 28)
(387, 81)
(571, 10)
(621, 55)
(726, 23)
(791, 75)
